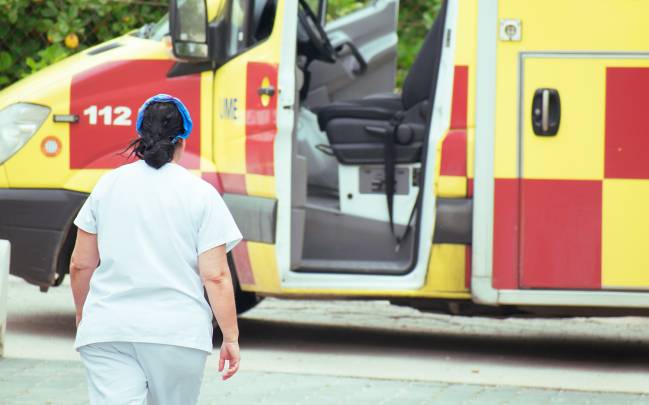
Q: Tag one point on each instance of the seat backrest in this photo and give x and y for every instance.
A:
(421, 81)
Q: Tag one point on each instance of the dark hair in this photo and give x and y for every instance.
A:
(161, 122)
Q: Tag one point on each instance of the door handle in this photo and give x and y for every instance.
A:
(546, 112)
(266, 91)
(362, 63)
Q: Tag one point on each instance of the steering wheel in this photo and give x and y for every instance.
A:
(315, 34)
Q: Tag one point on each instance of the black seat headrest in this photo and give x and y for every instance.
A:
(420, 82)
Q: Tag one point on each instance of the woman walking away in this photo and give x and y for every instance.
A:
(150, 237)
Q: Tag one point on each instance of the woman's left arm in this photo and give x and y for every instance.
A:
(83, 263)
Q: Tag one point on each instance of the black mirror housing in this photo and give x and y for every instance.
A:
(217, 34)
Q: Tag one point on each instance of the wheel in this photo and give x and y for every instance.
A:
(64, 256)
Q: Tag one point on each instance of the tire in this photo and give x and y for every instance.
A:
(64, 255)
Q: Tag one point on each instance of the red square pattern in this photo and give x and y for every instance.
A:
(561, 234)
(261, 120)
(453, 160)
(233, 183)
(505, 244)
(627, 126)
(460, 95)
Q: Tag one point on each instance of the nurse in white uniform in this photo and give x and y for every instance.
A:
(151, 236)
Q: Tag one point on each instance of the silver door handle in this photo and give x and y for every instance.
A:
(545, 110)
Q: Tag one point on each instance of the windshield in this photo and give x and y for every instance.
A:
(155, 31)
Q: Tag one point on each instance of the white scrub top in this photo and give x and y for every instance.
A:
(151, 225)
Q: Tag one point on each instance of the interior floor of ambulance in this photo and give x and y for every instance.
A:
(338, 236)
(340, 218)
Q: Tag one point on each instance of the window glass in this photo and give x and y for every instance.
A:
(250, 22)
(160, 29)
(263, 20)
(237, 40)
(192, 16)
(340, 8)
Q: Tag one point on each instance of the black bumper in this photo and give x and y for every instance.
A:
(37, 222)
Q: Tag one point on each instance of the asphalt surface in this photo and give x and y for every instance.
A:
(360, 352)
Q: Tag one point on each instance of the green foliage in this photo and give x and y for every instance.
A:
(415, 19)
(339, 8)
(33, 32)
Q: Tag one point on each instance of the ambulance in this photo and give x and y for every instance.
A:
(511, 172)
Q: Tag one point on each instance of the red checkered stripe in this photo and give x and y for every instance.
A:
(548, 232)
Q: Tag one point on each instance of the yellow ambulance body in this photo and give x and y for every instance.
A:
(518, 148)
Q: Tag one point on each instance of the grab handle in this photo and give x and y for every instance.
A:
(546, 112)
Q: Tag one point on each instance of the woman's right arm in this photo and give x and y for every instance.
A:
(215, 273)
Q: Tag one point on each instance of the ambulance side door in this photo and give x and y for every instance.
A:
(575, 125)
(253, 120)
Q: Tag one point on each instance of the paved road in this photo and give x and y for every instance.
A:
(361, 352)
(24, 381)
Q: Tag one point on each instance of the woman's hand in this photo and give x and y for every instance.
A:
(215, 273)
(229, 352)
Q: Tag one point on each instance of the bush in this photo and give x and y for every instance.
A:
(415, 19)
(37, 33)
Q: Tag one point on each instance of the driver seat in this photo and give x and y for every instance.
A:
(357, 128)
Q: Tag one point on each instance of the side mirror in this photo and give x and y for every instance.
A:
(217, 35)
(188, 29)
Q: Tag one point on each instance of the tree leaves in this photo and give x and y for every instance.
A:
(415, 19)
(32, 31)
(5, 61)
(29, 29)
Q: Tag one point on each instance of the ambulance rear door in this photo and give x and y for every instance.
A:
(570, 143)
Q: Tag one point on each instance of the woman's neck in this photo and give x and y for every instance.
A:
(178, 154)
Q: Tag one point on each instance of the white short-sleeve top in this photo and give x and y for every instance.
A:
(151, 225)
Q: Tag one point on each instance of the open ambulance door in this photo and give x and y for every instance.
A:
(561, 169)
(341, 236)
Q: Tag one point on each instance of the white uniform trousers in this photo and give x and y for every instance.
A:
(124, 373)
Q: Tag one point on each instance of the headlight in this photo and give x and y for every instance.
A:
(18, 123)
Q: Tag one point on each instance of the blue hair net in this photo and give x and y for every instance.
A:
(165, 98)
